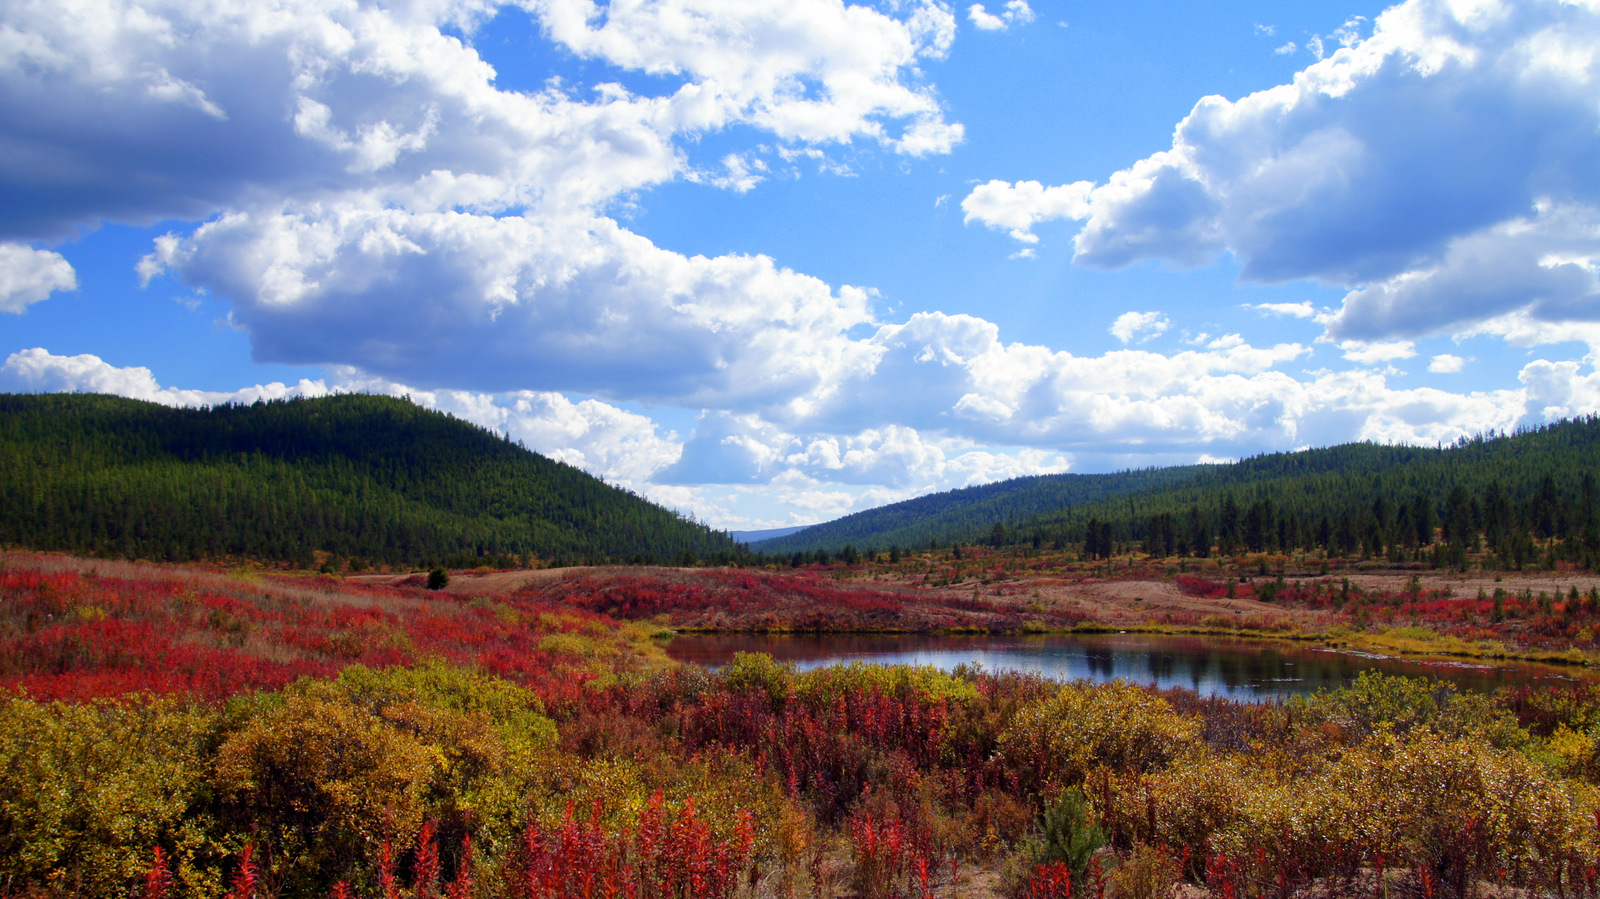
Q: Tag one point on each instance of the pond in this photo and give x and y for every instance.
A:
(1213, 666)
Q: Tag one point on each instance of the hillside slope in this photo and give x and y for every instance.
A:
(1512, 493)
(964, 514)
(1515, 493)
(366, 478)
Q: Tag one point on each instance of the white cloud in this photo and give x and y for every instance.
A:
(1291, 310)
(1441, 169)
(37, 370)
(1370, 353)
(28, 276)
(1523, 330)
(495, 304)
(1558, 390)
(971, 385)
(1132, 324)
(1544, 264)
(370, 198)
(753, 62)
(1016, 12)
(983, 19)
(1018, 207)
(1288, 48)
(1446, 364)
(174, 109)
(1265, 30)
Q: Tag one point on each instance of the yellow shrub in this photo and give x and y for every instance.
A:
(325, 781)
(1465, 807)
(757, 671)
(1149, 873)
(86, 791)
(1082, 727)
(824, 686)
(333, 768)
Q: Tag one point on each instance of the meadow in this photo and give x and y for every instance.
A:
(175, 731)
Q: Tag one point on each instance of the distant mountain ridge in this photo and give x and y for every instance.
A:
(1530, 496)
(368, 479)
(967, 512)
(766, 534)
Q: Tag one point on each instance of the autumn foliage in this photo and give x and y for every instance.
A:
(180, 733)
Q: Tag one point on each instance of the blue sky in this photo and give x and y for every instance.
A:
(773, 263)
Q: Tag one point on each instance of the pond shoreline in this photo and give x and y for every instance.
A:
(1340, 641)
(1232, 664)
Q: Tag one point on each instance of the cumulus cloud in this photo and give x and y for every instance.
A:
(728, 449)
(484, 303)
(1559, 389)
(1446, 364)
(1132, 324)
(37, 370)
(370, 198)
(28, 276)
(811, 71)
(1291, 310)
(972, 385)
(1018, 207)
(139, 110)
(1371, 353)
(1016, 12)
(1443, 169)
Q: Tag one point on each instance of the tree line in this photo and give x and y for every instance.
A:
(1513, 500)
(366, 480)
(1528, 498)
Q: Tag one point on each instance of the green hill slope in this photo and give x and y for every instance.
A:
(961, 515)
(1509, 494)
(366, 478)
(1530, 496)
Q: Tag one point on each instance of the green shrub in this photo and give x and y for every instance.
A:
(1066, 836)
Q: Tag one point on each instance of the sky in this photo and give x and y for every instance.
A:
(772, 263)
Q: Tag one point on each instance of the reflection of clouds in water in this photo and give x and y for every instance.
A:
(1236, 669)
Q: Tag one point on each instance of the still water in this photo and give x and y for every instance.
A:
(1233, 668)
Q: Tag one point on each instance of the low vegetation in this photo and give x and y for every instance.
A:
(181, 732)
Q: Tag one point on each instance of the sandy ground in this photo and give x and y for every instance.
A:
(1141, 599)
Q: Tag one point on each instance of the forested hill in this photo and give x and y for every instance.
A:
(1526, 497)
(958, 515)
(368, 479)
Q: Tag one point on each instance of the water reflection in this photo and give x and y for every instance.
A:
(1240, 669)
